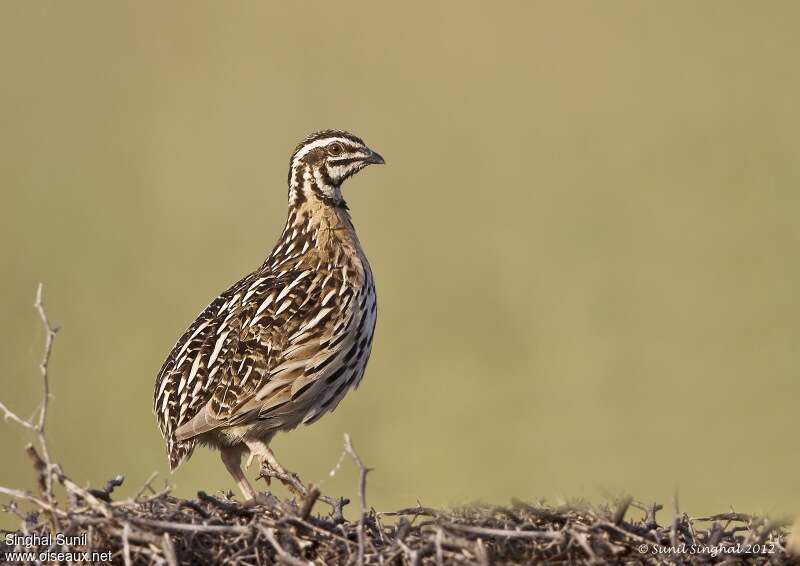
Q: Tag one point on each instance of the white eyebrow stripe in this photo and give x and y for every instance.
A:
(319, 143)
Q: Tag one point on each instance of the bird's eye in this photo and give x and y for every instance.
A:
(335, 149)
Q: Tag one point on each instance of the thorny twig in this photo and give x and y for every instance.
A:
(43, 465)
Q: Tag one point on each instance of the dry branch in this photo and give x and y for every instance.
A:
(362, 494)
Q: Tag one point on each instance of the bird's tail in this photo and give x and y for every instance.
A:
(178, 452)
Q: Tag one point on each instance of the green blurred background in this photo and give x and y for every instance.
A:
(585, 239)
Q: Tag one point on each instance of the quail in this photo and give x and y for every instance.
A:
(284, 344)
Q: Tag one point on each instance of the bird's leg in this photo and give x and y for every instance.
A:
(232, 458)
(258, 450)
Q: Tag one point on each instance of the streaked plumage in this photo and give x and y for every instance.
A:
(285, 343)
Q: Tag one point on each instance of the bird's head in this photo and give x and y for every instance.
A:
(323, 161)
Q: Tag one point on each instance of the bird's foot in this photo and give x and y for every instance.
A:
(266, 474)
(271, 468)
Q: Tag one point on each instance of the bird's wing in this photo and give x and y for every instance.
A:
(247, 340)
(276, 342)
(308, 331)
(188, 378)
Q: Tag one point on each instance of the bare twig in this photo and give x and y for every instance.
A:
(169, 550)
(622, 508)
(282, 554)
(362, 493)
(126, 545)
(325, 532)
(439, 551)
(45, 363)
(44, 366)
(147, 486)
(490, 532)
(227, 506)
(25, 496)
(10, 415)
(583, 540)
(676, 513)
(39, 465)
(81, 494)
(43, 465)
(308, 503)
(175, 527)
(111, 485)
(743, 517)
(420, 510)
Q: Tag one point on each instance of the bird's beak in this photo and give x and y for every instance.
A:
(374, 158)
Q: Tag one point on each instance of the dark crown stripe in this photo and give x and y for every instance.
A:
(327, 134)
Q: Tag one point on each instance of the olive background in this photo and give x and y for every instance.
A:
(585, 237)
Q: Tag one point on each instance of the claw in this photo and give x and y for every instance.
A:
(265, 473)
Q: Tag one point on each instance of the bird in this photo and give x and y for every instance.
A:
(285, 343)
